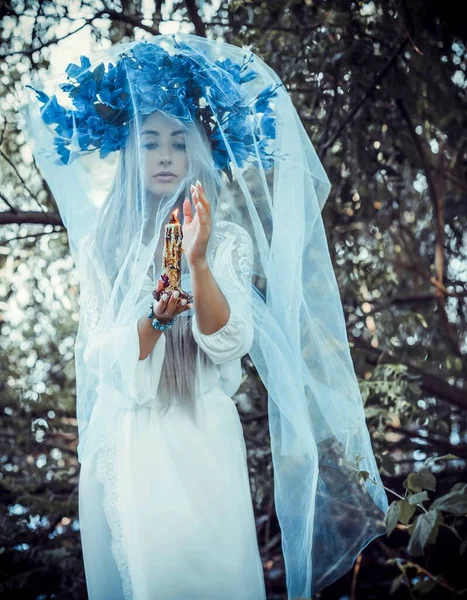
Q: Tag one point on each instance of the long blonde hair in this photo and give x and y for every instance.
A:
(177, 381)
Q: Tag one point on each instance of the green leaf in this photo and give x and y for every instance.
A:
(419, 497)
(455, 502)
(387, 463)
(406, 511)
(414, 388)
(420, 480)
(444, 457)
(422, 320)
(396, 583)
(105, 112)
(116, 117)
(424, 586)
(363, 475)
(427, 480)
(391, 517)
(442, 428)
(374, 411)
(358, 460)
(425, 531)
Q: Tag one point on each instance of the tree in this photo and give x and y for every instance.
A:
(381, 88)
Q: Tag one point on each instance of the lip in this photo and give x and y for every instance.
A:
(165, 176)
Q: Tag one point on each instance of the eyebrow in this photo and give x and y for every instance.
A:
(154, 132)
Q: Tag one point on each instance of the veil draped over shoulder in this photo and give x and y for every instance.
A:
(243, 139)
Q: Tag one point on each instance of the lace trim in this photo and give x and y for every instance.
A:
(90, 303)
(106, 472)
(237, 251)
(92, 300)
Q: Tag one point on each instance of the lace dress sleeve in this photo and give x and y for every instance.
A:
(121, 341)
(232, 268)
(148, 371)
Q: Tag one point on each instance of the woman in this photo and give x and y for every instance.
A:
(196, 545)
(165, 508)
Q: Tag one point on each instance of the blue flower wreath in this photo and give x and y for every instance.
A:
(105, 107)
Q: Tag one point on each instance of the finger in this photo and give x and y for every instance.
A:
(187, 212)
(183, 307)
(159, 288)
(195, 200)
(200, 208)
(173, 303)
(161, 306)
(198, 205)
(203, 197)
(194, 194)
(180, 308)
(202, 217)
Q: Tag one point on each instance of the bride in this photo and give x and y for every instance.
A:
(178, 505)
(182, 132)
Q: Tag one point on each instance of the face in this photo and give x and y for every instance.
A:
(164, 151)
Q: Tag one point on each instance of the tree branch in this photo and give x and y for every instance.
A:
(30, 216)
(326, 145)
(193, 14)
(432, 384)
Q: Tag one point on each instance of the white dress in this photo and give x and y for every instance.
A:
(186, 529)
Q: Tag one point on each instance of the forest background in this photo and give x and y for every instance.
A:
(381, 87)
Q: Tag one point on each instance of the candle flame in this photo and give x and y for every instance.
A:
(173, 217)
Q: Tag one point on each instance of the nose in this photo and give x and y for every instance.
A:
(165, 157)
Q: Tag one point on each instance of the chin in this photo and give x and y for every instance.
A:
(164, 189)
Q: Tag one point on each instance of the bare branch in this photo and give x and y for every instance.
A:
(365, 97)
(31, 216)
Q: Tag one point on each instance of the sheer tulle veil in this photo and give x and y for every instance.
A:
(267, 251)
(147, 213)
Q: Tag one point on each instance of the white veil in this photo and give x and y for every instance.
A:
(267, 251)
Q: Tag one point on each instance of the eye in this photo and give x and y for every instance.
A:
(150, 146)
(180, 146)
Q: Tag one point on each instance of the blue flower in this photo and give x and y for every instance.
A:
(147, 54)
(41, 96)
(114, 138)
(262, 100)
(62, 150)
(114, 89)
(268, 125)
(240, 73)
(147, 78)
(67, 87)
(78, 72)
(85, 94)
(52, 113)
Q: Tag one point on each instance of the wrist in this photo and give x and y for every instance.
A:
(159, 321)
(201, 265)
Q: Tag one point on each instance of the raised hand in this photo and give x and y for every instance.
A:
(196, 229)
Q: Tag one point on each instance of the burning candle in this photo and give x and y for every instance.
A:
(172, 260)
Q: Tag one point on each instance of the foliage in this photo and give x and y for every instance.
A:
(380, 88)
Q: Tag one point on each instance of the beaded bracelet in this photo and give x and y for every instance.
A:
(156, 323)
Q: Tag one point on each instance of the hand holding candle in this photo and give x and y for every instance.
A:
(171, 263)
